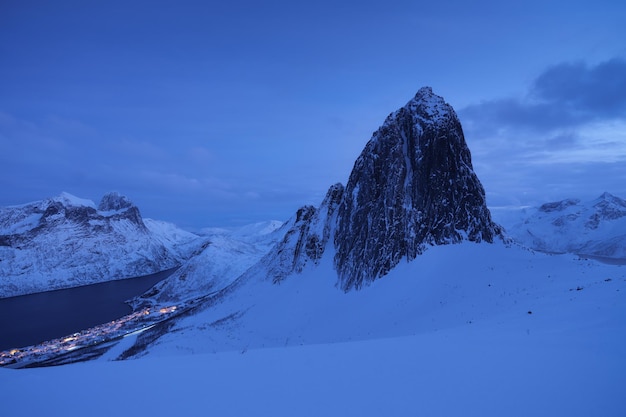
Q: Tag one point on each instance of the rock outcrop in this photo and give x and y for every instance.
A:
(412, 186)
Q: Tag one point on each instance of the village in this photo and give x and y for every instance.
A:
(108, 332)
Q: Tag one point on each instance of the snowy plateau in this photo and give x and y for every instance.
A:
(399, 295)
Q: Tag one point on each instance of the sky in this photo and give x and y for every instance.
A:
(227, 113)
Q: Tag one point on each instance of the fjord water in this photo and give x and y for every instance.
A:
(30, 319)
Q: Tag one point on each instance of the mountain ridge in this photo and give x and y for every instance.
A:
(588, 228)
(65, 241)
(412, 186)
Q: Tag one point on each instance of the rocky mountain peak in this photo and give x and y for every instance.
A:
(413, 185)
(114, 201)
(558, 205)
(429, 107)
(609, 207)
(587, 228)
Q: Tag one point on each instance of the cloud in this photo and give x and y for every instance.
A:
(200, 155)
(598, 142)
(589, 92)
(566, 95)
(565, 137)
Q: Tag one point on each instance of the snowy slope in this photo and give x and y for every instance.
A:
(413, 186)
(66, 241)
(179, 242)
(500, 331)
(486, 283)
(596, 227)
(223, 257)
(464, 328)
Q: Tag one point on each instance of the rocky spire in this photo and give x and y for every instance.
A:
(413, 185)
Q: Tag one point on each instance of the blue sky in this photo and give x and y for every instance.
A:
(208, 113)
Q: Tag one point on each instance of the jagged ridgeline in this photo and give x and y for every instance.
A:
(412, 186)
(66, 241)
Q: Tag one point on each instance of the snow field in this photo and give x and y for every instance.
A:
(468, 329)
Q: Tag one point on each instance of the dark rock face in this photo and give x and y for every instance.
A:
(610, 207)
(412, 185)
(558, 205)
(307, 238)
(114, 201)
(125, 209)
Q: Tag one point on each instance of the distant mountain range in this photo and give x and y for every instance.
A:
(592, 228)
(66, 241)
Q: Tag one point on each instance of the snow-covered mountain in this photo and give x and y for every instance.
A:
(225, 255)
(465, 327)
(591, 228)
(66, 241)
(413, 187)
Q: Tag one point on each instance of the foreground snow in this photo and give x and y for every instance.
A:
(468, 329)
(572, 370)
(472, 330)
(447, 287)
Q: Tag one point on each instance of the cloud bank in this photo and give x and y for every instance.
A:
(566, 136)
(567, 95)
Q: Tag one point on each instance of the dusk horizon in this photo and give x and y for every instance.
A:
(225, 115)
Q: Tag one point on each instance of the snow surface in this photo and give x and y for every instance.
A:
(467, 329)
(176, 240)
(446, 287)
(226, 254)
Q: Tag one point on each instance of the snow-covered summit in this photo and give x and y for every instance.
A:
(427, 107)
(412, 186)
(70, 200)
(608, 207)
(595, 228)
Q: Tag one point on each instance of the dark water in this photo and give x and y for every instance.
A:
(30, 319)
